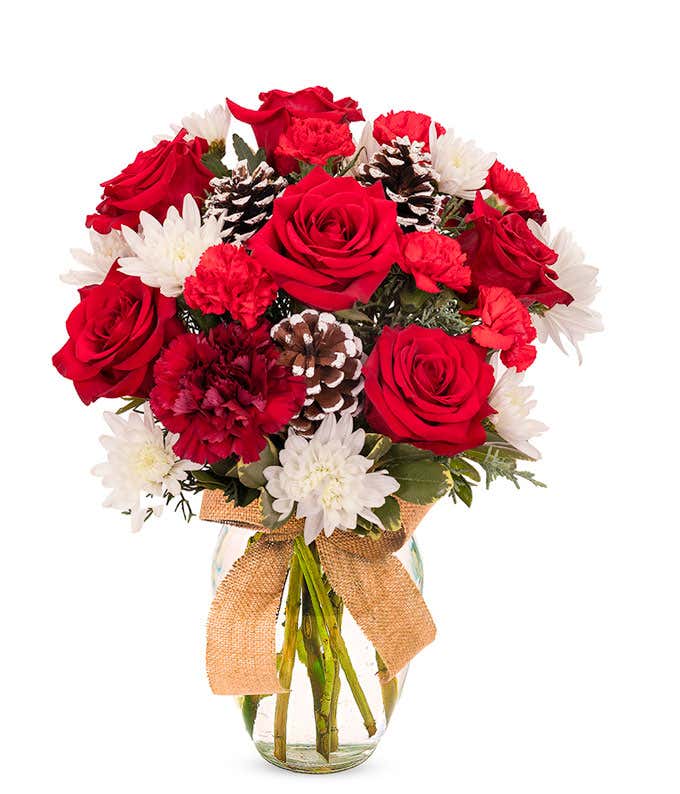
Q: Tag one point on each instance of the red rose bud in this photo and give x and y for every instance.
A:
(433, 259)
(405, 124)
(502, 251)
(330, 242)
(428, 389)
(277, 110)
(227, 279)
(512, 190)
(315, 141)
(224, 392)
(506, 326)
(115, 334)
(158, 179)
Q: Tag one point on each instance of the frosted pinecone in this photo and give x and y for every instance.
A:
(406, 173)
(244, 201)
(324, 350)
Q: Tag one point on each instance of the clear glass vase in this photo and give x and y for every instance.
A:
(325, 723)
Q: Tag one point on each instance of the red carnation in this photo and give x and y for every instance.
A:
(330, 241)
(158, 179)
(279, 108)
(432, 259)
(428, 389)
(115, 334)
(506, 326)
(503, 252)
(228, 280)
(223, 392)
(512, 189)
(405, 123)
(315, 140)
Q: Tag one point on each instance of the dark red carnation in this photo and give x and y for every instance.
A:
(277, 110)
(227, 279)
(330, 241)
(115, 334)
(405, 123)
(506, 326)
(511, 188)
(428, 389)
(502, 251)
(434, 259)
(158, 179)
(315, 140)
(223, 392)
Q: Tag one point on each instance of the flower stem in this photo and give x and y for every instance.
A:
(287, 659)
(335, 695)
(315, 670)
(390, 689)
(312, 574)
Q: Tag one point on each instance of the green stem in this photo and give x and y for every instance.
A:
(287, 659)
(312, 575)
(310, 637)
(338, 609)
(390, 689)
(249, 705)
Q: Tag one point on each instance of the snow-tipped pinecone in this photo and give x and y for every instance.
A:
(406, 173)
(243, 201)
(328, 354)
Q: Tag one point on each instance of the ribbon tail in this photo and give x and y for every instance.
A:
(241, 641)
(383, 600)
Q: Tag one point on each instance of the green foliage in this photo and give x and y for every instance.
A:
(131, 404)
(233, 490)
(498, 460)
(252, 474)
(375, 446)
(389, 514)
(421, 482)
(244, 152)
(270, 518)
(212, 159)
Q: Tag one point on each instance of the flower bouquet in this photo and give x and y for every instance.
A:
(323, 336)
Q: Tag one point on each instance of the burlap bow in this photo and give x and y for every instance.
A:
(374, 585)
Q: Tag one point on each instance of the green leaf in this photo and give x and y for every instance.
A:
(270, 518)
(131, 404)
(375, 446)
(462, 490)
(462, 467)
(421, 482)
(405, 453)
(252, 474)
(389, 514)
(209, 481)
(353, 315)
(213, 162)
(244, 152)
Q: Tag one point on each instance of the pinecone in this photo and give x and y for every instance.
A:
(243, 201)
(328, 354)
(409, 180)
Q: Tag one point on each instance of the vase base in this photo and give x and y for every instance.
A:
(303, 758)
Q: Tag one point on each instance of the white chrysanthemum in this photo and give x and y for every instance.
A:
(579, 280)
(106, 248)
(513, 404)
(213, 125)
(328, 479)
(140, 463)
(165, 255)
(462, 167)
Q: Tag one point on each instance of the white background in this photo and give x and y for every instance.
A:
(557, 664)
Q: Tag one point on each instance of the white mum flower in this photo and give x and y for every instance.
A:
(213, 125)
(106, 248)
(140, 463)
(462, 167)
(328, 479)
(513, 404)
(579, 280)
(165, 255)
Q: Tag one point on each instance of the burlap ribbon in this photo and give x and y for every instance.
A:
(374, 585)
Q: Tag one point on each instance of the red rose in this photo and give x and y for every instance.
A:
(115, 334)
(506, 326)
(223, 392)
(228, 280)
(278, 108)
(503, 252)
(513, 191)
(315, 141)
(157, 180)
(433, 259)
(405, 124)
(428, 389)
(330, 241)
